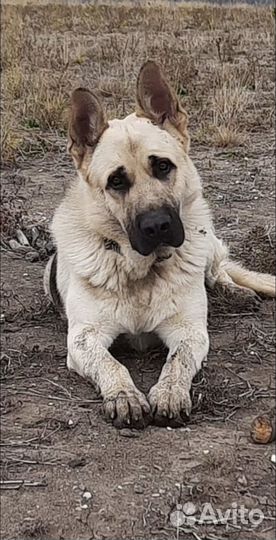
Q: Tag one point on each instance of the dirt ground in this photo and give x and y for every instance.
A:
(66, 474)
(53, 433)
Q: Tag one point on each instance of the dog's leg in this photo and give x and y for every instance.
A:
(188, 345)
(88, 355)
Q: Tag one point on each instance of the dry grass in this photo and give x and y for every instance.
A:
(220, 60)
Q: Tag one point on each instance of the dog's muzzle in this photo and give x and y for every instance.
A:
(161, 227)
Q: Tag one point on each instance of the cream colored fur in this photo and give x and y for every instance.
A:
(106, 293)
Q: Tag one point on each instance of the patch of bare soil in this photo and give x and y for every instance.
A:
(66, 474)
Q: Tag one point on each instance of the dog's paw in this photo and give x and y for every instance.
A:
(170, 404)
(128, 408)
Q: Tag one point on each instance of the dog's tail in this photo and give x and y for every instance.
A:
(257, 281)
(232, 274)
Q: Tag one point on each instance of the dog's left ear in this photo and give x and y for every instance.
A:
(157, 101)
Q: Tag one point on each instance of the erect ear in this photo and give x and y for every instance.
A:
(157, 101)
(86, 124)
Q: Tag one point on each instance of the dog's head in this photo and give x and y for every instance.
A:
(138, 165)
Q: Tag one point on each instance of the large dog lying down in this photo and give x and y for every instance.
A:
(135, 244)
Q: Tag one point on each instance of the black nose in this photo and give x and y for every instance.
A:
(155, 225)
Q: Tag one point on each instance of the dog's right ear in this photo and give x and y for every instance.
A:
(86, 124)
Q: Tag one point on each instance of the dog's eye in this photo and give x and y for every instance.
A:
(164, 166)
(118, 181)
(161, 167)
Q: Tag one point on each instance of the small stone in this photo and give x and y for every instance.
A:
(14, 244)
(32, 256)
(70, 422)
(77, 462)
(206, 452)
(138, 489)
(40, 243)
(120, 487)
(84, 506)
(22, 239)
(130, 433)
(43, 253)
(49, 247)
(2, 318)
(273, 458)
(87, 495)
(155, 495)
(242, 480)
(35, 234)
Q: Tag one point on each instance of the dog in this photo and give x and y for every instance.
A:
(135, 247)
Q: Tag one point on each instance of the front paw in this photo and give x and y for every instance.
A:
(127, 408)
(170, 403)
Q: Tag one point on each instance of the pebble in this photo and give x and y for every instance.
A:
(130, 433)
(14, 244)
(22, 239)
(35, 234)
(49, 247)
(242, 480)
(32, 256)
(138, 489)
(40, 243)
(77, 462)
(273, 458)
(87, 495)
(2, 318)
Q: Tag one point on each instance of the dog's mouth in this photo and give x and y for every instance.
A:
(163, 253)
(157, 229)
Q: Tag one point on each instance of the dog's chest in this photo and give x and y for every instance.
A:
(144, 304)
